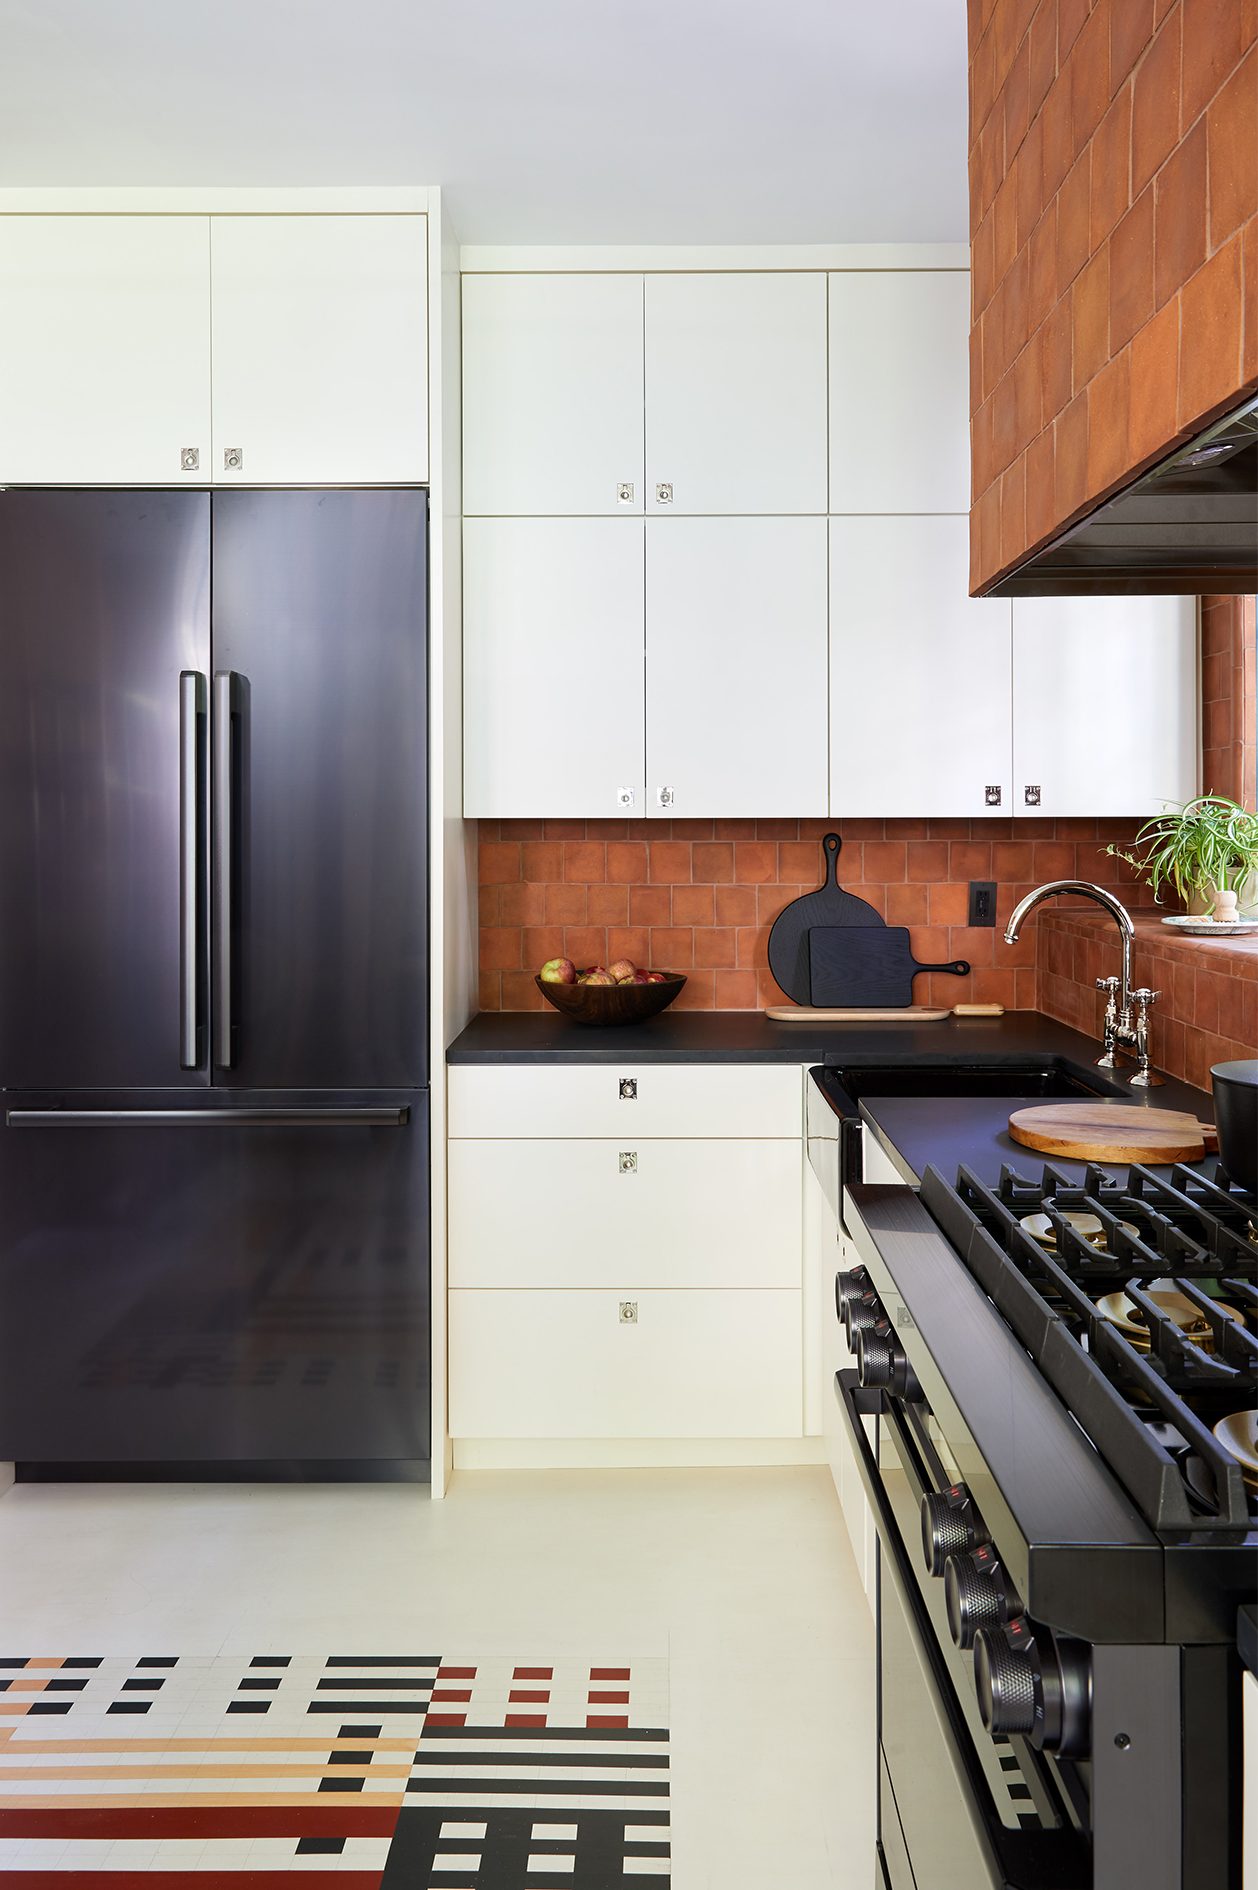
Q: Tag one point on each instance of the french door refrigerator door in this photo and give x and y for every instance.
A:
(320, 954)
(214, 1277)
(104, 675)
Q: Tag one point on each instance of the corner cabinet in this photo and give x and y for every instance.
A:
(213, 349)
(1105, 704)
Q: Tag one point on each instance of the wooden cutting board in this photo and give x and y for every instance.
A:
(910, 1014)
(1110, 1132)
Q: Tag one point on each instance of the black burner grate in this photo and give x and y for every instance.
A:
(1148, 1413)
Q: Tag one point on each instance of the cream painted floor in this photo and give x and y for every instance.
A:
(742, 1579)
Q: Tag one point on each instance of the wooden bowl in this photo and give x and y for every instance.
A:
(610, 1003)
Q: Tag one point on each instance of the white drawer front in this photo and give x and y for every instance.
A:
(564, 1364)
(703, 1099)
(594, 1213)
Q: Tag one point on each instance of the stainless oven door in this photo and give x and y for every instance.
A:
(957, 1810)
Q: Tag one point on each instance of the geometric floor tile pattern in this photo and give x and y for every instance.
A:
(393, 1772)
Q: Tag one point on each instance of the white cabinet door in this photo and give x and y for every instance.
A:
(104, 349)
(553, 684)
(899, 391)
(1104, 704)
(920, 700)
(594, 1213)
(736, 393)
(567, 1364)
(736, 667)
(552, 395)
(320, 349)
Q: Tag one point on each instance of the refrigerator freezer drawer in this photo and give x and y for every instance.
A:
(237, 1297)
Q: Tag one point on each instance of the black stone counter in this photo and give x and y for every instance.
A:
(944, 1132)
(750, 1037)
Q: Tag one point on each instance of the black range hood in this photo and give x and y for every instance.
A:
(1189, 525)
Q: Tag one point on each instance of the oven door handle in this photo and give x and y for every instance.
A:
(856, 1403)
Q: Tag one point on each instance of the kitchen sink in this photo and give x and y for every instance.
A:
(1035, 1079)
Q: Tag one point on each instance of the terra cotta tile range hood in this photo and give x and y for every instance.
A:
(1188, 525)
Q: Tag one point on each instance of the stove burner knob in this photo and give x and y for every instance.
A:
(862, 1313)
(881, 1364)
(1042, 1692)
(1004, 1678)
(950, 1526)
(849, 1284)
(975, 1594)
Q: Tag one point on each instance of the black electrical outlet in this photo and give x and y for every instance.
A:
(982, 902)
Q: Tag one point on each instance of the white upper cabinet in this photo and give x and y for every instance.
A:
(919, 674)
(553, 666)
(736, 666)
(552, 395)
(899, 391)
(104, 349)
(736, 393)
(1105, 699)
(320, 349)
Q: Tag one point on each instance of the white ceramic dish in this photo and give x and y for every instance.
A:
(1197, 927)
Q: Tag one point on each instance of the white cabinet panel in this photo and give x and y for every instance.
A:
(899, 391)
(320, 349)
(563, 1364)
(552, 395)
(736, 666)
(593, 1213)
(919, 674)
(736, 392)
(1105, 711)
(625, 1099)
(553, 653)
(104, 349)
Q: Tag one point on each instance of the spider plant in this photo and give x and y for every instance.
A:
(1207, 846)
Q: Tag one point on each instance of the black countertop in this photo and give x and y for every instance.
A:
(750, 1037)
(945, 1132)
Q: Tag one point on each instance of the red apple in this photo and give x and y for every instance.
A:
(558, 971)
(622, 970)
(657, 977)
(598, 977)
(639, 977)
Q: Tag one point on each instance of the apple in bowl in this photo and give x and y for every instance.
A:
(558, 971)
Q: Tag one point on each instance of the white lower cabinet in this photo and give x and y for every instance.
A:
(628, 1265)
(705, 1364)
(593, 1213)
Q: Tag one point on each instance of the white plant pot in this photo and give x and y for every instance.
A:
(1246, 900)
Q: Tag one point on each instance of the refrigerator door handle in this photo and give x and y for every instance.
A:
(224, 859)
(344, 1118)
(191, 876)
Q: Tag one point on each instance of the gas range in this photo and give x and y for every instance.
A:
(1062, 1369)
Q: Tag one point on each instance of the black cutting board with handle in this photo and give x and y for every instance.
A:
(868, 965)
(829, 905)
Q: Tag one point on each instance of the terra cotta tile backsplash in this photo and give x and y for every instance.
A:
(699, 896)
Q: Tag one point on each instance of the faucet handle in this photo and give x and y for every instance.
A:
(1108, 984)
(1144, 997)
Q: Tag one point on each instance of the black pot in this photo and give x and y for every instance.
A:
(1236, 1118)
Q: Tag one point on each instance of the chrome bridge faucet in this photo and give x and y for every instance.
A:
(1126, 1011)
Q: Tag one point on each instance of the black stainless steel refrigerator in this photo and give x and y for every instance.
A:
(213, 980)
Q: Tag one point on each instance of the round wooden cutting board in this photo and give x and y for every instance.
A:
(1110, 1132)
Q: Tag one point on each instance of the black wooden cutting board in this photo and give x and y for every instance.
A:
(866, 965)
(829, 905)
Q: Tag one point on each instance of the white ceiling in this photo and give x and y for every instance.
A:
(560, 121)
